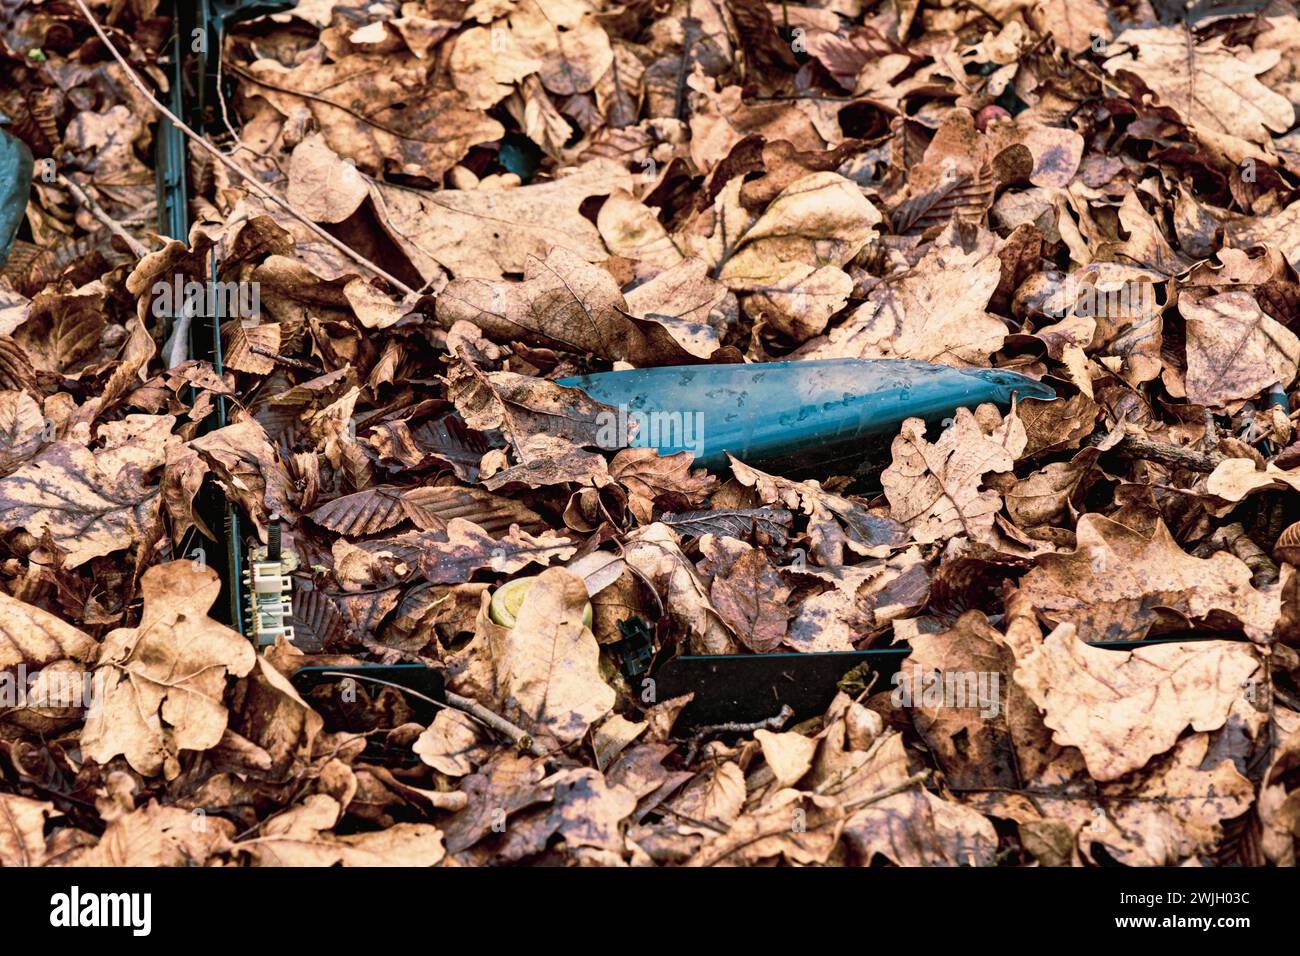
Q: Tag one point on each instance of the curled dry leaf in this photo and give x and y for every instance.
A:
(862, 598)
(654, 554)
(1213, 86)
(453, 744)
(22, 830)
(822, 219)
(613, 736)
(1131, 705)
(508, 783)
(547, 665)
(156, 835)
(301, 837)
(650, 477)
(1113, 584)
(31, 636)
(935, 489)
(466, 548)
(790, 755)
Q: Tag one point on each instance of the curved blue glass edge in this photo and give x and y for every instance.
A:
(835, 410)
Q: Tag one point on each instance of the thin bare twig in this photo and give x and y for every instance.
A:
(775, 722)
(494, 721)
(138, 249)
(908, 784)
(1131, 446)
(233, 166)
(517, 735)
(284, 359)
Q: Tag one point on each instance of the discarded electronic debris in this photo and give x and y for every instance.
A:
(785, 416)
(781, 415)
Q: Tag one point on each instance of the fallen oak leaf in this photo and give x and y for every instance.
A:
(563, 302)
(1212, 85)
(865, 533)
(650, 477)
(551, 460)
(822, 219)
(522, 406)
(409, 126)
(918, 828)
(801, 827)
(1112, 585)
(158, 835)
(159, 686)
(985, 731)
(1173, 811)
(1121, 708)
(696, 310)
(935, 490)
(935, 312)
(486, 233)
(588, 811)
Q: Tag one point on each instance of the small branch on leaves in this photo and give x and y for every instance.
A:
(137, 248)
(1162, 453)
(233, 166)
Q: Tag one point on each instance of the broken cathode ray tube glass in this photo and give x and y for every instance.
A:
(789, 415)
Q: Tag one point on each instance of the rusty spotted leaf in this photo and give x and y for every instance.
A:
(88, 513)
(465, 548)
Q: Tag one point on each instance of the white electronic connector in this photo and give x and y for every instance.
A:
(268, 590)
(270, 602)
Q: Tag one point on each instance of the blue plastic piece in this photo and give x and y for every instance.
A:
(786, 416)
(16, 167)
